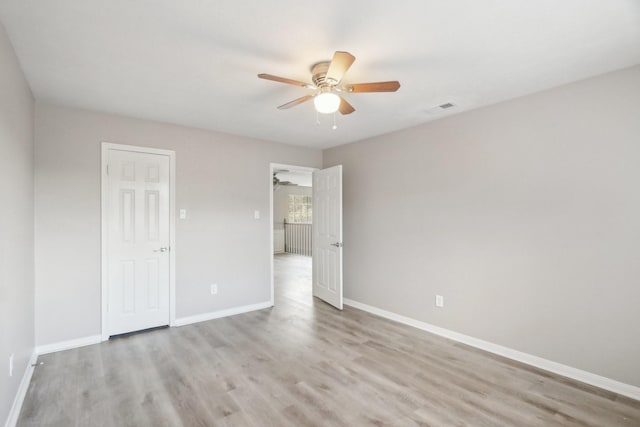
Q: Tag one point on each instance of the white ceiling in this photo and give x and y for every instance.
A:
(194, 62)
(299, 177)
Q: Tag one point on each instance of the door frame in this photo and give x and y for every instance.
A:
(105, 147)
(272, 167)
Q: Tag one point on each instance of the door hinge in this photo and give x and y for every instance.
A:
(107, 169)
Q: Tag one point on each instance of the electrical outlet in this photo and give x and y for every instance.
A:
(439, 301)
(11, 365)
(214, 288)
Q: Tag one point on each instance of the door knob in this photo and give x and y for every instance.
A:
(337, 244)
(161, 250)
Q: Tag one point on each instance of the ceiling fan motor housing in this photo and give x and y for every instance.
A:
(319, 72)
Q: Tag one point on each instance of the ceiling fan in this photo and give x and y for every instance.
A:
(327, 79)
(277, 182)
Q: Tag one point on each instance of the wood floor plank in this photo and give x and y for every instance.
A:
(304, 363)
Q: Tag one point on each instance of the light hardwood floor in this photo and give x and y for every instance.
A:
(303, 363)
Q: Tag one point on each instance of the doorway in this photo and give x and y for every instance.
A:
(138, 256)
(292, 218)
(311, 227)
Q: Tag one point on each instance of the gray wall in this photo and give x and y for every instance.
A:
(220, 179)
(524, 215)
(16, 223)
(281, 200)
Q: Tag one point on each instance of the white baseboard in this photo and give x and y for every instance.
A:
(96, 339)
(14, 413)
(182, 321)
(68, 345)
(548, 365)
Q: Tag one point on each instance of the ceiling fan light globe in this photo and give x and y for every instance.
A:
(326, 103)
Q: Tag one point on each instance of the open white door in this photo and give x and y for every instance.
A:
(327, 235)
(137, 225)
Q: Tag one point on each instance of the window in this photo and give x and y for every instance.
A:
(299, 208)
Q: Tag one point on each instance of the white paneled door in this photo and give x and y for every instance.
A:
(327, 235)
(137, 247)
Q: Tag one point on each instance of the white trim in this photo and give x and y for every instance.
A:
(68, 345)
(172, 226)
(172, 238)
(272, 167)
(14, 412)
(548, 365)
(97, 339)
(182, 321)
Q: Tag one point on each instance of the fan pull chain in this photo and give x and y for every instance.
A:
(317, 118)
(335, 126)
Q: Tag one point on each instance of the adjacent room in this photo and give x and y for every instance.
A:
(240, 213)
(293, 230)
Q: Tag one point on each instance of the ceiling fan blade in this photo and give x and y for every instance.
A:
(295, 102)
(345, 108)
(285, 80)
(373, 87)
(339, 65)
